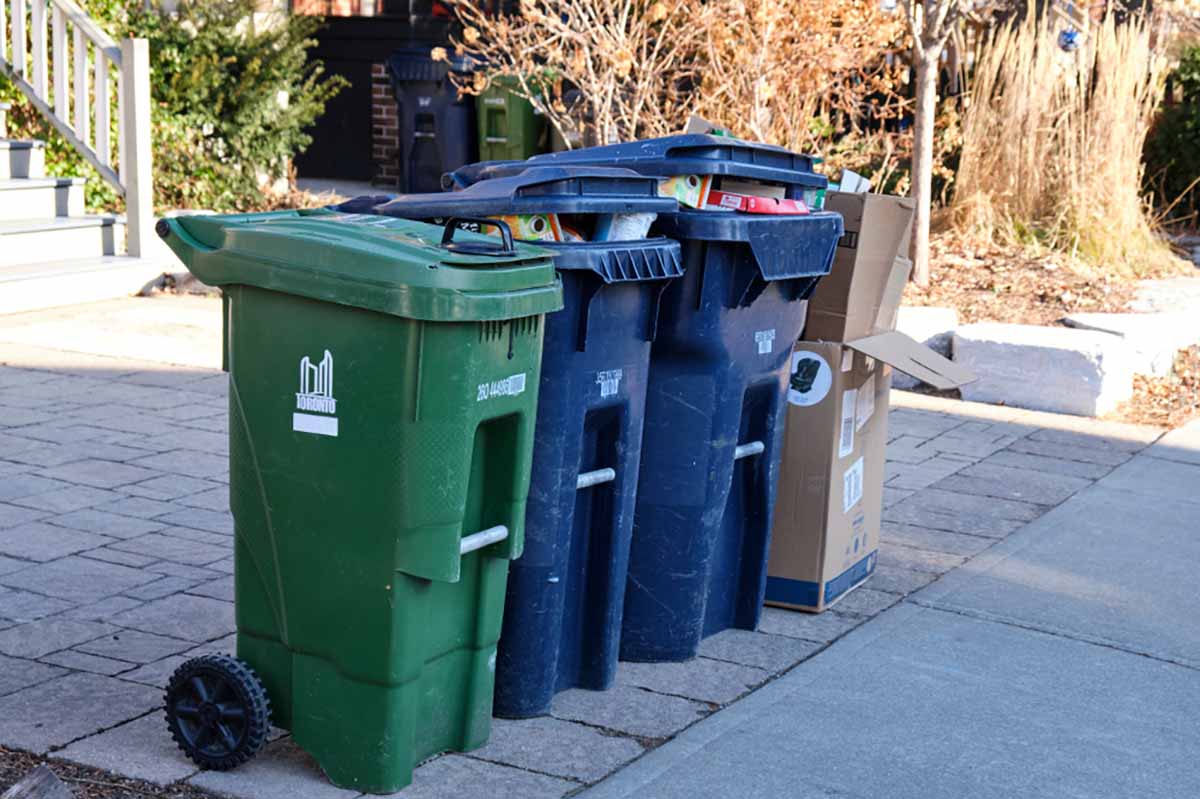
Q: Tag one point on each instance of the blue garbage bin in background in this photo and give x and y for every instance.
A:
(562, 618)
(437, 125)
(718, 384)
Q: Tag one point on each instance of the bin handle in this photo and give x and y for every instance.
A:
(749, 449)
(594, 478)
(454, 223)
(483, 538)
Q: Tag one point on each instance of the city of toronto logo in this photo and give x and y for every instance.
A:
(316, 409)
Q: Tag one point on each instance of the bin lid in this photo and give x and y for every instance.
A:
(393, 266)
(535, 190)
(784, 247)
(686, 154)
(638, 261)
(417, 64)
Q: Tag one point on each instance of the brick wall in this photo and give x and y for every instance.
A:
(385, 129)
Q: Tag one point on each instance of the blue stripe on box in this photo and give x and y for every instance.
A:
(792, 592)
(849, 578)
(807, 593)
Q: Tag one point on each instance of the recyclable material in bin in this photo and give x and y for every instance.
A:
(717, 384)
(437, 123)
(562, 622)
(383, 381)
(672, 156)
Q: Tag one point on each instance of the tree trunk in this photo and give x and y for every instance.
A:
(922, 160)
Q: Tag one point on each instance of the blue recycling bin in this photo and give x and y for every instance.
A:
(562, 618)
(717, 392)
(437, 123)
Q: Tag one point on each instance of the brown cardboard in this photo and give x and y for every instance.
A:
(830, 495)
(827, 510)
(846, 303)
(893, 293)
(913, 358)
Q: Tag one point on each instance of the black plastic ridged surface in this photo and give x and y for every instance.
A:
(648, 263)
(242, 691)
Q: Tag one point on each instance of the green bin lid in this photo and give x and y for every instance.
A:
(393, 266)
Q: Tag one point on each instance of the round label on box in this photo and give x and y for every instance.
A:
(811, 379)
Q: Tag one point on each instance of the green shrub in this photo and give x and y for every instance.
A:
(232, 97)
(1172, 151)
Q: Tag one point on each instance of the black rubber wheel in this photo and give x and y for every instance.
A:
(217, 711)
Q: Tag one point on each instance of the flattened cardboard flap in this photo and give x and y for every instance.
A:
(913, 358)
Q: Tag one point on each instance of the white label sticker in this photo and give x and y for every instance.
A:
(609, 381)
(315, 398)
(847, 360)
(508, 387)
(811, 379)
(866, 403)
(765, 339)
(852, 486)
(846, 434)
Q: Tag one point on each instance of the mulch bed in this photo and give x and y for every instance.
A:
(1169, 401)
(989, 282)
(88, 783)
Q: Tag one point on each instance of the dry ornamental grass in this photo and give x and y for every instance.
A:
(1052, 143)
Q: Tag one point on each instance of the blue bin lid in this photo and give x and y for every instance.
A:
(686, 154)
(417, 64)
(555, 190)
(783, 247)
(536, 190)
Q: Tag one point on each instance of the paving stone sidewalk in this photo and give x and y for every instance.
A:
(116, 562)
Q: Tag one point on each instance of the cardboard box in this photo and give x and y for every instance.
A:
(826, 530)
(830, 496)
(846, 303)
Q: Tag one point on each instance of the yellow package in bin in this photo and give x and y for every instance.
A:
(530, 227)
(689, 190)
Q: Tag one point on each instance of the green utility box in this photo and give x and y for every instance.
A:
(383, 385)
(509, 127)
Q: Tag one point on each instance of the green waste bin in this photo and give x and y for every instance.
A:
(510, 129)
(382, 392)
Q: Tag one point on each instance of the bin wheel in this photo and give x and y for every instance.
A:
(217, 711)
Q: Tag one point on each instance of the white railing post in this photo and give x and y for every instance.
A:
(103, 147)
(83, 118)
(135, 131)
(58, 48)
(37, 19)
(18, 37)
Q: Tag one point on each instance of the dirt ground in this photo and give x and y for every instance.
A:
(1166, 401)
(989, 282)
(88, 783)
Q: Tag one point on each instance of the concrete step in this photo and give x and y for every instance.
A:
(31, 287)
(29, 198)
(34, 241)
(22, 159)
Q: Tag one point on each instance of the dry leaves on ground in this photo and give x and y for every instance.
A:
(1169, 401)
(89, 783)
(989, 282)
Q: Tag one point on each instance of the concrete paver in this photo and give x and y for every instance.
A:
(141, 748)
(702, 679)
(556, 747)
(627, 709)
(120, 464)
(924, 704)
(455, 776)
(64, 709)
